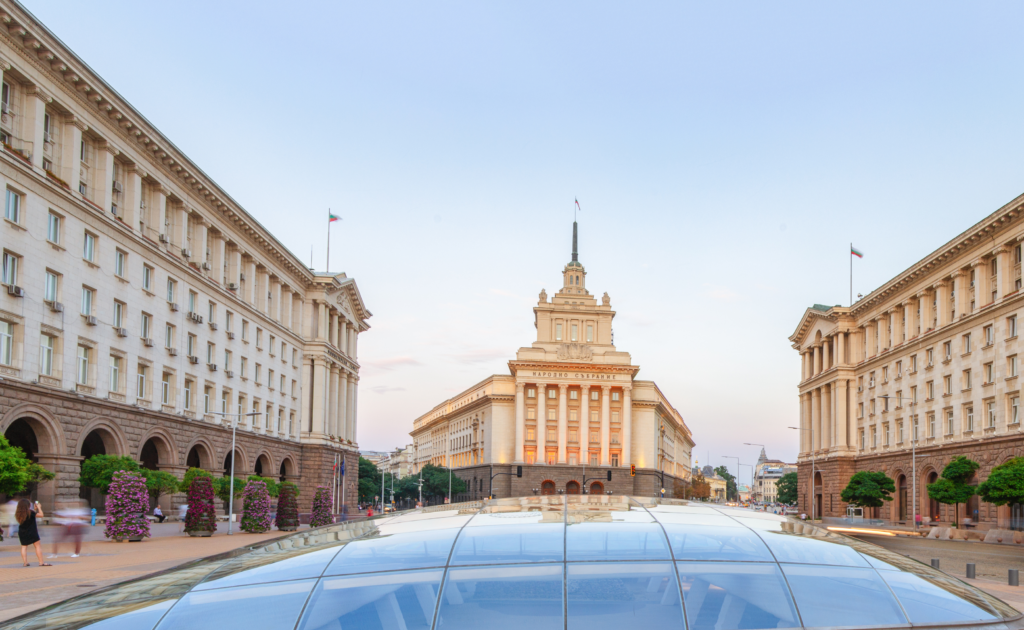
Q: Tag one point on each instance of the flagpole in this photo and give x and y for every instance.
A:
(851, 275)
(328, 241)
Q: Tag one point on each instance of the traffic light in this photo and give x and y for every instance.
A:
(609, 475)
(632, 470)
(519, 471)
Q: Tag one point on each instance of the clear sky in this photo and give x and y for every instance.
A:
(724, 154)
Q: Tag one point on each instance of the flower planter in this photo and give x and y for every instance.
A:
(201, 534)
(289, 525)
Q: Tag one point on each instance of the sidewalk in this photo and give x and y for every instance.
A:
(102, 563)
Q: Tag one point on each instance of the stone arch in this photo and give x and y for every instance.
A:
(200, 453)
(572, 487)
(547, 487)
(597, 488)
(900, 505)
(817, 493)
(263, 465)
(165, 445)
(287, 468)
(113, 438)
(241, 462)
(48, 433)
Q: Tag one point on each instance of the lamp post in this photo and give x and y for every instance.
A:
(752, 475)
(913, 455)
(231, 479)
(811, 429)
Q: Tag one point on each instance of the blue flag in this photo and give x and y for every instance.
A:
(342, 467)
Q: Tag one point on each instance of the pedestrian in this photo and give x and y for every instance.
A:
(182, 513)
(159, 514)
(72, 520)
(28, 533)
(12, 523)
(369, 512)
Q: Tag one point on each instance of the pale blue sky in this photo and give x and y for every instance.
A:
(725, 155)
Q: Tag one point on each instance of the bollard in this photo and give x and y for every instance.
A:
(1014, 577)
(935, 563)
(970, 570)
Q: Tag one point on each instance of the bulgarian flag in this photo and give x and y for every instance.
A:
(331, 218)
(856, 252)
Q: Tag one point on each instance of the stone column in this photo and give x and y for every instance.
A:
(563, 421)
(805, 371)
(585, 424)
(826, 347)
(826, 416)
(352, 405)
(627, 427)
(606, 414)
(841, 357)
(817, 360)
(520, 423)
(841, 418)
(1004, 271)
(344, 422)
(320, 385)
(32, 125)
(330, 424)
(542, 423)
(71, 150)
(805, 422)
(942, 302)
(815, 419)
(912, 318)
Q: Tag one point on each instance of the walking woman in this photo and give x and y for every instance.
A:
(28, 534)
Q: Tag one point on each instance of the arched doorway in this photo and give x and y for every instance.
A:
(933, 505)
(597, 488)
(21, 434)
(93, 444)
(974, 503)
(818, 503)
(547, 487)
(192, 461)
(149, 456)
(902, 497)
(286, 470)
(573, 487)
(262, 465)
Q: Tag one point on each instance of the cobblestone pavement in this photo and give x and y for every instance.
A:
(992, 562)
(102, 563)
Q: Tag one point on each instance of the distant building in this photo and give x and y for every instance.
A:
(767, 473)
(376, 457)
(744, 492)
(399, 463)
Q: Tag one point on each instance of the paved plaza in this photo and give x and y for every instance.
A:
(102, 563)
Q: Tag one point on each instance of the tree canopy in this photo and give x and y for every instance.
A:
(699, 488)
(273, 486)
(869, 489)
(787, 489)
(369, 480)
(160, 482)
(189, 477)
(222, 488)
(951, 488)
(98, 470)
(730, 482)
(1005, 484)
(17, 470)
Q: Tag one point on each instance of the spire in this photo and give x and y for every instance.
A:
(575, 255)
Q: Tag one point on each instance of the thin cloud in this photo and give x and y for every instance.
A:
(384, 389)
(392, 363)
(483, 355)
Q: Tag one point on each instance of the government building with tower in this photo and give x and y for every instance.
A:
(928, 364)
(142, 309)
(570, 411)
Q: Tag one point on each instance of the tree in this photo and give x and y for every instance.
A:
(435, 482)
(699, 488)
(951, 488)
(1005, 484)
(369, 480)
(255, 508)
(201, 516)
(222, 486)
(160, 482)
(127, 503)
(730, 482)
(321, 514)
(868, 489)
(787, 489)
(190, 475)
(98, 471)
(17, 470)
(273, 487)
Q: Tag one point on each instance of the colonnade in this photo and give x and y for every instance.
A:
(824, 409)
(584, 447)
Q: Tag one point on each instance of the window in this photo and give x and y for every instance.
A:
(188, 394)
(6, 342)
(531, 433)
(13, 210)
(572, 332)
(118, 314)
(115, 373)
(874, 437)
(590, 333)
(190, 345)
(899, 432)
(50, 290)
(531, 393)
(1014, 410)
(257, 373)
(931, 425)
(89, 248)
(594, 395)
(969, 417)
(949, 422)
(168, 336)
(227, 360)
(552, 393)
(531, 413)
(82, 377)
(1011, 326)
(45, 354)
(207, 393)
(228, 317)
(913, 395)
(1011, 365)
(967, 379)
(192, 301)
(615, 396)
(573, 394)
(270, 346)
(988, 335)
(886, 428)
(10, 269)
(863, 440)
(929, 389)
(899, 369)
(147, 277)
(947, 382)
(860, 410)
(259, 338)
(172, 290)
(282, 383)
(614, 437)
(245, 330)
(552, 414)
(990, 412)
(899, 399)
(967, 343)
(53, 229)
(87, 295)
(243, 367)
(165, 389)
(223, 402)
(989, 373)
(615, 459)
(930, 356)
(913, 363)
(885, 374)
(558, 332)
(615, 416)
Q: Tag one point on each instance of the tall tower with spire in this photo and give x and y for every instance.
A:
(574, 276)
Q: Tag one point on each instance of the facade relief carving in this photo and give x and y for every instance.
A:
(575, 352)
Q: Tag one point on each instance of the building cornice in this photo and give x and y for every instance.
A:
(574, 368)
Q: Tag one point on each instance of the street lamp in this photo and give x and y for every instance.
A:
(913, 454)
(231, 480)
(752, 474)
(811, 429)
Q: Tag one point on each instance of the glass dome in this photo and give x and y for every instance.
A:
(578, 561)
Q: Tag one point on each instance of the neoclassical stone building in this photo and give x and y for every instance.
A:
(140, 303)
(929, 359)
(571, 405)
